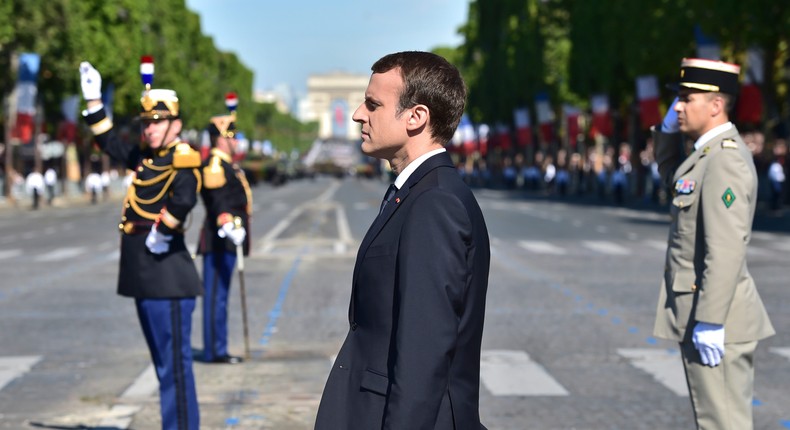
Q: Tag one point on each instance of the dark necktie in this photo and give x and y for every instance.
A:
(387, 197)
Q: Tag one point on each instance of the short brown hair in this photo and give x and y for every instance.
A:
(430, 80)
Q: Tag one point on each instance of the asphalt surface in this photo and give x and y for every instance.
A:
(567, 343)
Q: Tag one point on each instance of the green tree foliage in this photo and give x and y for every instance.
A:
(285, 132)
(573, 49)
(113, 35)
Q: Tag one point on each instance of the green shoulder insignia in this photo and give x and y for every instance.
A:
(185, 157)
(729, 144)
(214, 174)
(728, 197)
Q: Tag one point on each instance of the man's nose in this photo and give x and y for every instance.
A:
(357, 116)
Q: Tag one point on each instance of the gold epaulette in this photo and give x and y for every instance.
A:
(214, 174)
(185, 157)
(729, 144)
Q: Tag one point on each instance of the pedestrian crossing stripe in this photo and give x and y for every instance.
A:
(13, 367)
(512, 373)
(121, 414)
(60, 254)
(664, 365)
(784, 352)
(9, 253)
(605, 247)
(541, 247)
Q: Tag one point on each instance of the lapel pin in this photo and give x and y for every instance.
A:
(397, 199)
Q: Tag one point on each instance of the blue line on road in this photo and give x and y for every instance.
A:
(785, 423)
(276, 311)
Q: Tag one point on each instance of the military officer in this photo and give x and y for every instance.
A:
(228, 201)
(708, 300)
(156, 268)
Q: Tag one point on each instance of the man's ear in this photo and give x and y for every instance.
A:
(720, 105)
(418, 117)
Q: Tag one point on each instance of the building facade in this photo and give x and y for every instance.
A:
(331, 101)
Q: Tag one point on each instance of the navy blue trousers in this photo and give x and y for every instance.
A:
(167, 326)
(217, 273)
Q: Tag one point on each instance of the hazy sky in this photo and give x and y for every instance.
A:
(284, 41)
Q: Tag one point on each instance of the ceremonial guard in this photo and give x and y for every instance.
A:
(156, 268)
(708, 300)
(228, 200)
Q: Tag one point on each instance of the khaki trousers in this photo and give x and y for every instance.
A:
(721, 396)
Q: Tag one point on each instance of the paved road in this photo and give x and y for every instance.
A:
(567, 342)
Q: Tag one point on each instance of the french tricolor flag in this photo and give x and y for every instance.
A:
(523, 127)
(147, 70)
(231, 101)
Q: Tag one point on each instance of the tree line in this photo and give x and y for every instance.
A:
(113, 35)
(572, 49)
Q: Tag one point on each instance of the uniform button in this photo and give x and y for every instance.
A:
(353, 326)
(140, 169)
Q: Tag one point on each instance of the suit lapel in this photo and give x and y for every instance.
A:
(400, 196)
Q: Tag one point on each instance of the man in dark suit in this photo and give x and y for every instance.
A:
(411, 359)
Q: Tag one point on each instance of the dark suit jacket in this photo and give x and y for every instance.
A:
(411, 359)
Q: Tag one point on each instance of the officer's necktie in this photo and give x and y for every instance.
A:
(388, 196)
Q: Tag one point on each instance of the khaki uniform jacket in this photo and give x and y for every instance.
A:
(713, 204)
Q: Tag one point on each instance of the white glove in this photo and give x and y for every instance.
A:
(670, 123)
(709, 341)
(90, 80)
(156, 242)
(236, 235)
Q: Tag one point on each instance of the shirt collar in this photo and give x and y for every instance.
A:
(710, 134)
(404, 175)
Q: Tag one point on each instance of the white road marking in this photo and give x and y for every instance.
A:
(541, 247)
(665, 366)
(783, 245)
(785, 352)
(660, 245)
(9, 253)
(144, 387)
(605, 247)
(512, 373)
(343, 231)
(758, 252)
(13, 367)
(113, 256)
(761, 235)
(60, 254)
